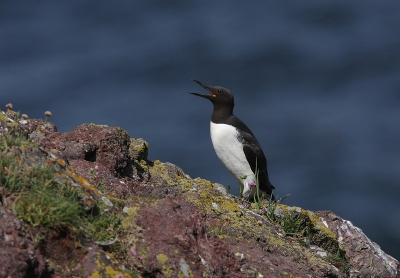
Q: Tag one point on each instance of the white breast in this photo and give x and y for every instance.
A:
(230, 152)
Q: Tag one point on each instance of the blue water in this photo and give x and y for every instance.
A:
(318, 82)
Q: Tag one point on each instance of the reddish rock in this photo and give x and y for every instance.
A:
(174, 226)
(179, 240)
(95, 145)
(19, 256)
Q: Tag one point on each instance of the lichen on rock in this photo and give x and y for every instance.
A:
(156, 221)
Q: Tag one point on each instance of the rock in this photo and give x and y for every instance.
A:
(171, 225)
(95, 145)
(98, 263)
(98, 153)
(138, 149)
(38, 129)
(19, 255)
(365, 257)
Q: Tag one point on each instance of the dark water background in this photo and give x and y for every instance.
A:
(318, 82)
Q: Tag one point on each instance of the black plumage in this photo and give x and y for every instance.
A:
(223, 102)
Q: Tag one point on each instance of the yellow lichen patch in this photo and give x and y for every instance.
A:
(109, 273)
(138, 149)
(108, 270)
(144, 164)
(95, 274)
(167, 174)
(203, 184)
(158, 169)
(162, 258)
(61, 162)
(166, 269)
(196, 185)
(205, 198)
(131, 214)
(134, 236)
(86, 185)
(232, 207)
(119, 133)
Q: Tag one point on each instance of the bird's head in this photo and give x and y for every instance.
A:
(218, 95)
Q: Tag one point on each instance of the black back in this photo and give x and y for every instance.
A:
(223, 102)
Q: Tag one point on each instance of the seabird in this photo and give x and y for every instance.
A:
(235, 144)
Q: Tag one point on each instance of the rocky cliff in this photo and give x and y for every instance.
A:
(89, 203)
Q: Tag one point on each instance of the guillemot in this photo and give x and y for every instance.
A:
(235, 144)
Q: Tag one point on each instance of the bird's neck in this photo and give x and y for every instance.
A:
(221, 113)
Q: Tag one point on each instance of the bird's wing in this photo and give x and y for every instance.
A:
(253, 152)
(256, 159)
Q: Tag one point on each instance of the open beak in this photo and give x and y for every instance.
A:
(208, 88)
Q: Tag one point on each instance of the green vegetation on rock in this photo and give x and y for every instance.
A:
(45, 192)
(42, 197)
(39, 199)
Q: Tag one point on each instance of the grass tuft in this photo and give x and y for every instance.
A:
(44, 208)
(339, 261)
(102, 225)
(40, 199)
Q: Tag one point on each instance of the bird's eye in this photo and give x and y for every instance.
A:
(219, 91)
